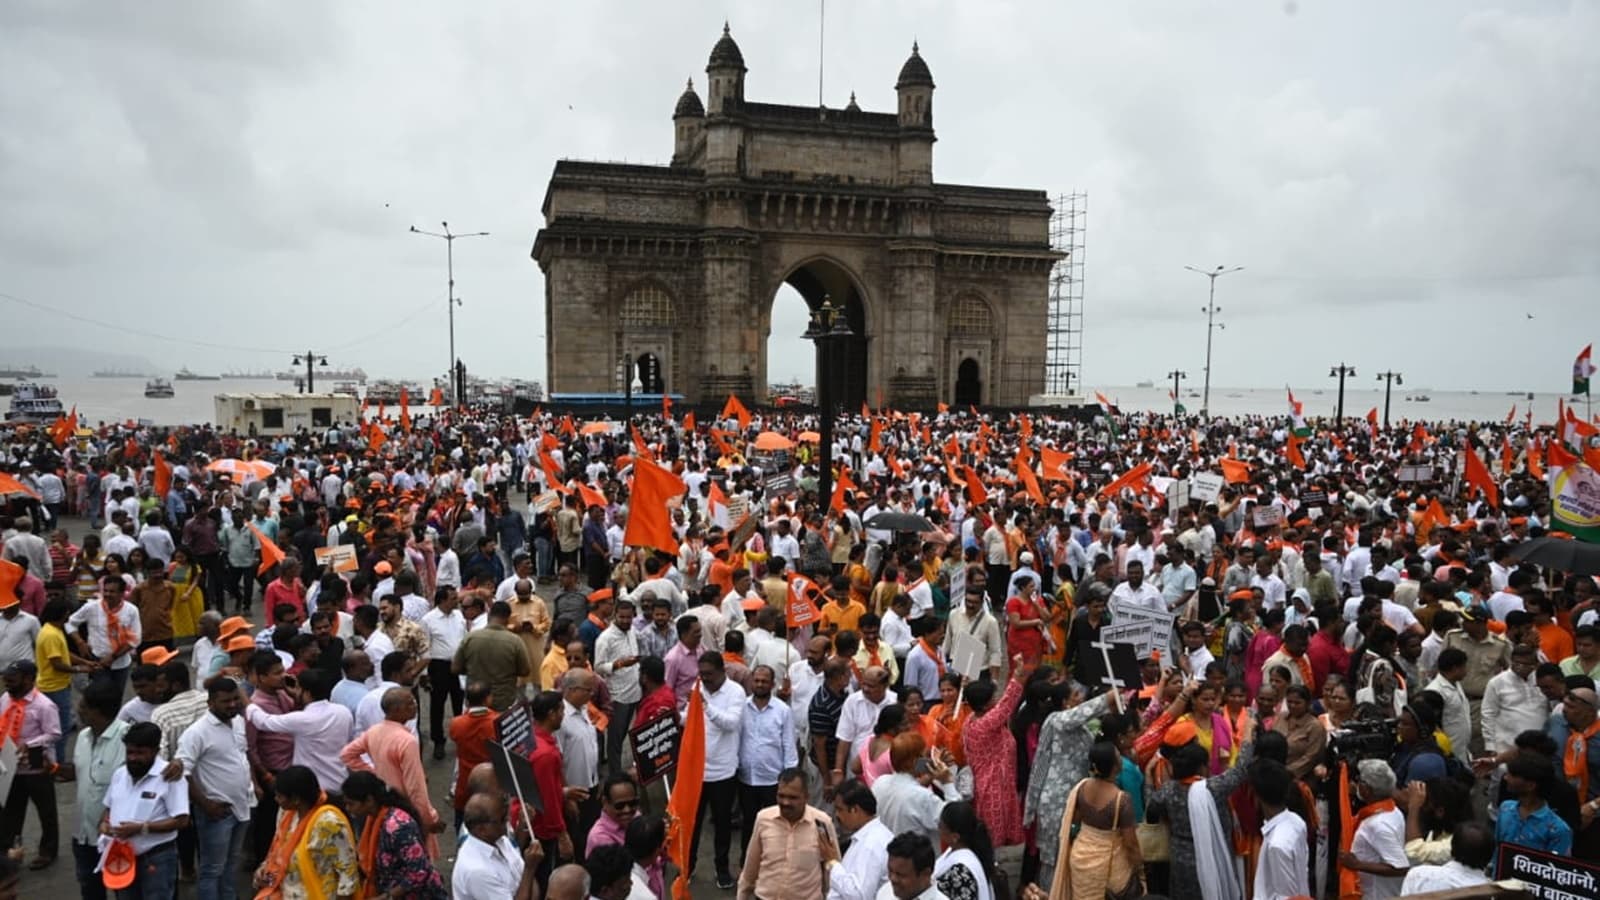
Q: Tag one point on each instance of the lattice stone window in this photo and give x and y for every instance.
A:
(647, 306)
(971, 316)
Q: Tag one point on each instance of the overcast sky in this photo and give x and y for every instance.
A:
(1405, 183)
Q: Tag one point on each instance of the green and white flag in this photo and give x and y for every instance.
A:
(1582, 369)
(1297, 416)
(1105, 408)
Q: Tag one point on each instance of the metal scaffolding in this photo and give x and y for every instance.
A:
(1064, 327)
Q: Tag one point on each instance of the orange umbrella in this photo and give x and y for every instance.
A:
(10, 485)
(810, 437)
(595, 428)
(771, 440)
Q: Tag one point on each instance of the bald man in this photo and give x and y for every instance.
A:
(488, 866)
(570, 882)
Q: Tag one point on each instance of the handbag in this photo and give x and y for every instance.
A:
(1155, 842)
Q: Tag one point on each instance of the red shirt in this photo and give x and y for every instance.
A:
(549, 823)
(662, 699)
(1326, 656)
(293, 594)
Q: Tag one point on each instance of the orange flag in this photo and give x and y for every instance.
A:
(1508, 458)
(975, 490)
(1025, 425)
(1535, 460)
(688, 421)
(591, 497)
(435, 398)
(270, 554)
(736, 409)
(547, 441)
(1292, 451)
(1132, 478)
(840, 486)
(687, 778)
(895, 465)
(376, 438)
(1419, 439)
(875, 440)
(1235, 471)
(1372, 422)
(720, 438)
(1054, 464)
(1031, 482)
(865, 412)
(927, 436)
(805, 600)
(552, 473)
(1559, 457)
(952, 449)
(1511, 416)
(1477, 474)
(405, 410)
(567, 428)
(639, 446)
(666, 407)
(649, 518)
(163, 476)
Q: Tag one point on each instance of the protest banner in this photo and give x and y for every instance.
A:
(337, 559)
(1147, 630)
(780, 485)
(1178, 494)
(967, 655)
(1265, 515)
(514, 728)
(655, 746)
(1206, 486)
(1548, 876)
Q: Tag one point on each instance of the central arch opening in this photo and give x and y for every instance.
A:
(791, 358)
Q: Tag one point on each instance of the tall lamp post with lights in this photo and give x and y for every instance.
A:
(1211, 309)
(451, 300)
(1341, 372)
(1389, 379)
(827, 329)
(310, 360)
(1177, 403)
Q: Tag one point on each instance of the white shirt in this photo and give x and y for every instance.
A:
(449, 575)
(1283, 862)
(1381, 838)
(614, 644)
(1511, 705)
(1451, 875)
(766, 742)
(93, 613)
(445, 631)
(921, 594)
(896, 632)
(905, 805)
(149, 799)
(580, 748)
(724, 712)
(377, 645)
(932, 893)
(803, 685)
(1145, 596)
(369, 711)
(413, 607)
(320, 731)
(1502, 603)
(213, 751)
(786, 546)
(17, 637)
(486, 871)
(1457, 721)
(96, 760)
(1273, 591)
(865, 866)
(858, 717)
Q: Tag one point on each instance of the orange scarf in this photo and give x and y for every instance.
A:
(283, 847)
(932, 654)
(11, 719)
(367, 852)
(116, 635)
(1350, 879)
(872, 655)
(598, 622)
(1575, 761)
(1307, 676)
(729, 656)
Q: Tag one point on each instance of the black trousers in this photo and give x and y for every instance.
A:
(578, 826)
(263, 825)
(753, 798)
(999, 578)
(238, 584)
(40, 790)
(213, 580)
(599, 570)
(719, 796)
(617, 732)
(442, 686)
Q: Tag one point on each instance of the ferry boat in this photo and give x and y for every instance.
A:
(263, 375)
(28, 372)
(34, 404)
(116, 373)
(1144, 384)
(356, 375)
(185, 375)
(159, 388)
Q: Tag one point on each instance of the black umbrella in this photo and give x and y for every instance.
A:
(1561, 554)
(894, 521)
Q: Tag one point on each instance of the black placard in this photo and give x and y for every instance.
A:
(1091, 666)
(780, 484)
(514, 728)
(1546, 875)
(1314, 497)
(515, 774)
(655, 746)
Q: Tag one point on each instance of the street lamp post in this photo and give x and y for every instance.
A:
(828, 326)
(1211, 309)
(627, 387)
(1341, 372)
(310, 360)
(1176, 375)
(1389, 379)
(451, 300)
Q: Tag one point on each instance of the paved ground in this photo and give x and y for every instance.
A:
(59, 881)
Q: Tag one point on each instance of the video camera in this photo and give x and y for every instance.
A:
(1363, 739)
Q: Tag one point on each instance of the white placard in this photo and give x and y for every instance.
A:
(1147, 629)
(1206, 486)
(1266, 515)
(958, 585)
(967, 655)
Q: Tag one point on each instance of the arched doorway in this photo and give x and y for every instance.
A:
(647, 371)
(969, 384)
(846, 368)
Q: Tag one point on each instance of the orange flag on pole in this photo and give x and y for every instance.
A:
(1372, 422)
(270, 554)
(163, 476)
(1508, 457)
(975, 489)
(649, 517)
(1030, 481)
(1477, 474)
(720, 438)
(1055, 464)
(1535, 460)
(435, 398)
(567, 428)
(840, 487)
(1132, 478)
(1235, 471)
(666, 407)
(688, 421)
(875, 440)
(405, 410)
(688, 778)
(376, 438)
(805, 601)
(736, 409)
(639, 447)
(1292, 451)
(591, 497)
(552, 473)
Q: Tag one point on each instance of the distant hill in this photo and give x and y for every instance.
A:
(72, 361)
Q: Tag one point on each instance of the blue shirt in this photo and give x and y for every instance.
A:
(766, 742)
(1543, 830)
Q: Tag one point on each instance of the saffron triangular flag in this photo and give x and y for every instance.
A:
(717, 507)
(649, 514)
(688, 777)
(270, 554)
(1477, 474)
(163, 475)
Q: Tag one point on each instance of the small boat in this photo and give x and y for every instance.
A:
(185, 375)
(1192, 394)
(1530, 395)
(1419, 398)
(34, 404)
(1145, 384)
(159, 388)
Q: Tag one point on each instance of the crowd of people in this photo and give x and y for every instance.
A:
(1352, 685)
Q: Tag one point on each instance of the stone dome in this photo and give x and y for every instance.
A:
(914, 73)
(689, 103)
(726, 52)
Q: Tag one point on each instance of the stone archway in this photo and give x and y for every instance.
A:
(969, 383)
(847, 372)
(647, 369)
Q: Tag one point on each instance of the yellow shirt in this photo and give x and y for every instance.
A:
(52, 644)
(845, 618)
(554, 666)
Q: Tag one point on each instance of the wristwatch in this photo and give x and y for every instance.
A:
(144, 827)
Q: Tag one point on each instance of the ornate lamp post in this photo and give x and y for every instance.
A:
(310, 360)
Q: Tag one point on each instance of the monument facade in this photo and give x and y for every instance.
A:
(945, 286)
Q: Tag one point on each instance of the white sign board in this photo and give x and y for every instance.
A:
(958, 586)
(1146, 629)
(1415, 473)
(967, 655)
(338, 559)
(1206, 486)
(1178, 494)
(1266, 515)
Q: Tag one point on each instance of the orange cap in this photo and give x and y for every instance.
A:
(120, 866)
